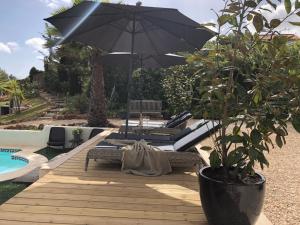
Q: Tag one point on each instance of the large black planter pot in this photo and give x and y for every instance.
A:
(230, 204)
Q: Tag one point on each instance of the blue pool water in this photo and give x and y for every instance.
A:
(7, 164)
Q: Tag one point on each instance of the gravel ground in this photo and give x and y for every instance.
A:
(282, 200)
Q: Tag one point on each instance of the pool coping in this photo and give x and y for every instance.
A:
(35, 161)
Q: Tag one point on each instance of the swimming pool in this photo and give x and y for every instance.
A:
(9, 162)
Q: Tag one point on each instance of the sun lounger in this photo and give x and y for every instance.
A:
(181, 153)
(179, 121)
(160, 137)
(95, 132)
(56, 137)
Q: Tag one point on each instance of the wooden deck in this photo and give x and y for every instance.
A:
(104, 195)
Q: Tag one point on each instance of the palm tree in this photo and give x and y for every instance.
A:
(97, 104)
(97, 107)
(13, 90)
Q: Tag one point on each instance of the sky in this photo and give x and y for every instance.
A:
(22, 25)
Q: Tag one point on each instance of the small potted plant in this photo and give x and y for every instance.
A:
(250, 82)
(77, 135)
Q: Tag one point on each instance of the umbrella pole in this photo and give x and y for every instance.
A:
(130, 76)
(141, 92)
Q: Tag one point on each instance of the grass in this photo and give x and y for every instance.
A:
(50, 153)
(9, 189)
(38, 106)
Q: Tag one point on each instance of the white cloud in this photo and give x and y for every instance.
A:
(37, 44)
(8, 47)
(55, 4)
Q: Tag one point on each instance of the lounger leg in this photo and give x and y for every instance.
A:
(86, 163)
(197, 168)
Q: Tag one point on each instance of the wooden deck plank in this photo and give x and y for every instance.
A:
(120, 200)
(104, 205)
(39, 218)
(105, 196)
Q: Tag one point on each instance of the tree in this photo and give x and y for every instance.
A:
(250, 80)
(3, 75)
(97, 107)
(33, 71)
(65, 71)
(14, 92)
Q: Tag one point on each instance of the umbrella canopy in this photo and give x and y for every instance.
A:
(110, 27)
(122, 59)
(134, 29)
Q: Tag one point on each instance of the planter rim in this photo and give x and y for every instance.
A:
(263, 179)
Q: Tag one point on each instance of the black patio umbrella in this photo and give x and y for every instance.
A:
(127, 28)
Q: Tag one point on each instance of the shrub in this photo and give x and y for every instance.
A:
(77, 103)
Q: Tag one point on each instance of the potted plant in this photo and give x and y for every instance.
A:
(250, 82)
(77, 135)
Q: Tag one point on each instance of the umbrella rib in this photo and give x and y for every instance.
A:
(171, 33)
(150, 9)
(96, 27)
(57, 17)
(149, 38)
(174, 22)
(116, 40)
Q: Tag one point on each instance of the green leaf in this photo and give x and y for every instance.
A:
(206, 148)
(257, 97)
(235, 157)
(251, 4)
(258, 23)
(215, 160)
(233, 21)
(272, 4)
(223, 19)
(296, 122)
(208, 24)
(279, 141)
(288, 6)
(236, 130)
(275, 23)
(265, 9)
(249, 17)
(295, 23)
(235, 139)
(255, 136)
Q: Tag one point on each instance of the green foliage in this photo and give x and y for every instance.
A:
(33, 71)
(179, 86)
(37, 108)
(3, 75)
(250, 82)
(77, 131)
(67, 69)
(77, 104)
(12, 88)
(30, 89)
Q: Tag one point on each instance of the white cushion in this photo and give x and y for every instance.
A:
(166, 148)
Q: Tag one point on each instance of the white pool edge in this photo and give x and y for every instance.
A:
(35, 161)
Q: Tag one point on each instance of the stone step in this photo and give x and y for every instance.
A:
(46, 118)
